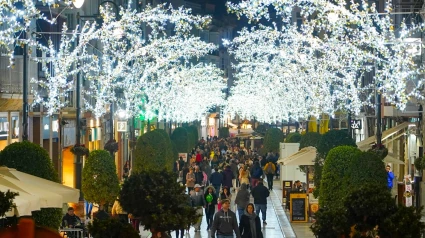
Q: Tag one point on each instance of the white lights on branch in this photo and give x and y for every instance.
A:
(319, 66)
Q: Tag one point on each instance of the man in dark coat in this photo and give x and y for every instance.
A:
(227, 177)
(260, 194)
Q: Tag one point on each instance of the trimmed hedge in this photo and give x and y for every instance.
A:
(332, 139)
(294, 137)
(30, 158)
(100, 182)
(334, 184)
(181, 138)
(310, 139)
(272, 139)
(367, 168)
(111, 228)
(224, 132)
(153, 152)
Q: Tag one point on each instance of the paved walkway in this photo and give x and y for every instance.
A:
(278, 225)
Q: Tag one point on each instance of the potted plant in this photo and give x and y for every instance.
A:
(111, 146)
(80, 150)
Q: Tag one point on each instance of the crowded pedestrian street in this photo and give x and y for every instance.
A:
(278, 225)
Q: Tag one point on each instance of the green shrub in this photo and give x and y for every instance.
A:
(191, 140)
(261, 129)
(111, 228)
(293, 137)
(30, 158)
(404, 222)
(195, 135)
(310, 139)
(153, 152)
(367, 168)
(100, 182)
(272, 139)
(420, 164)
(224, 132)
(332, 139)
(335, 184)
(368, 205)
(168, 144)
(328, 141)
(6, 201)
(159, 200)
(330, 223)
(181, 138)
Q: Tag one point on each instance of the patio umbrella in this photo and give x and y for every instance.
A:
(25, 203)
(47, 198)
(68, 194)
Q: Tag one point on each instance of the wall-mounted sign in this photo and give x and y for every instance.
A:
(121, 126)
(356, 124)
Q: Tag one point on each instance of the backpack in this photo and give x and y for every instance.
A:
(257, 172)
(269, 169)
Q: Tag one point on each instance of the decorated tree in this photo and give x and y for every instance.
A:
(160, 202)
(100, 182)
(30, 158)
(153, 152)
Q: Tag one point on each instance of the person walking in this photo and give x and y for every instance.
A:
(118, 211)
(190, 180)
(250, 225)
(199, 176)
(270, 170)
(225, 194)
(228, 177)
(216, 179)
(242, 199)
(243, 175)
(256, 173)
(198, 202)
(260, 194)
(211, 201)
(225, 222)
(235, 171)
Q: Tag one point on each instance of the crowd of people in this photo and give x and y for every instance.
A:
(217, 170)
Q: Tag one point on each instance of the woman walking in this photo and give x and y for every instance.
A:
(242, 200)
(250, 225)
(190, 180)
(211, 200)
(243, 175)
(225, 194)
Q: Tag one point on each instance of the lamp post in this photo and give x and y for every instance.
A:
(78, 163)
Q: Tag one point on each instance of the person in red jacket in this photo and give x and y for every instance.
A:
(198, 157)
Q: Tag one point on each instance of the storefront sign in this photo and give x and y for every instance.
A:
(356, 124)
(121, 126)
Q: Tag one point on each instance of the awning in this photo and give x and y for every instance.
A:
(47, 198)
(24, 203)
(390, 158)
(305, 156)
(366, 144)
(68, 194)
(10, 105)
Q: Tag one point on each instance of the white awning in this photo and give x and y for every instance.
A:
(68, 194)
(47, 198)
(390, 158)
(305, 156)
(366, 144)
(25, 203)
